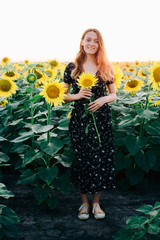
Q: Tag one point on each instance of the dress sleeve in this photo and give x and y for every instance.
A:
(67, 74)
(110, 81)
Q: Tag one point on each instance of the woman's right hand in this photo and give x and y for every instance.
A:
(84, 93)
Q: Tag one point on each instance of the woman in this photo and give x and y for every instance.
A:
(94, 168)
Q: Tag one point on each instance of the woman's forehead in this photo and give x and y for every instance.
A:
(91, 34)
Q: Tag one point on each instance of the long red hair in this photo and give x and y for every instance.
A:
(104, 66)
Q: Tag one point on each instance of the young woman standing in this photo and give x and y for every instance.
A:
(94, 167)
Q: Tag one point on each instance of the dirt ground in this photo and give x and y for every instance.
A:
(62, 223)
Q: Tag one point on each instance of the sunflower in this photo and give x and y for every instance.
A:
(7, 87)
(39, 74)
(11, 74)
(26, 61)
(155, 76)
(53, 63)
(137, 63)
(117, 76)
(157, 103)
(133, 85)
(5, 60)
(53, 91)
(31, 78)
(142, 73)
(51, 72)
(3, 102)
(87, 80)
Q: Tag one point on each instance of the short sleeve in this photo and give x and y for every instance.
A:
(110, 81)
(67, 73)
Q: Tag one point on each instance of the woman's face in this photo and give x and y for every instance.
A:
(90, 43)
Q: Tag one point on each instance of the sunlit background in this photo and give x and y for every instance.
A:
(40, 30)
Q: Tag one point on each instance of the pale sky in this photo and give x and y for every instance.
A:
(42, 30)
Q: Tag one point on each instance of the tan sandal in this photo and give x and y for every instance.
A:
(97, 211)
(84, 211)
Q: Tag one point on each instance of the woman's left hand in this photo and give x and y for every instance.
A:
(99, 102)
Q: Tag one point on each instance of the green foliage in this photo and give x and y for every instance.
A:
(142, 227)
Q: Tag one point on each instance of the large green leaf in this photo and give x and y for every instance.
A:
(147, 114)
(4, 192)
(3, 139)
(145, 160)
(27, 176)
(3, 157)
(41, 194)
(7, 215)
(145, 209)
(52, 202)
(30, 155)
(135, 175)
(129, 122)
(154, 139)
(24, 137)
(66, 158)
(48, 174)
(52, 147)
(134, 144)
(121, 161)
(62, 183)
(38, 128)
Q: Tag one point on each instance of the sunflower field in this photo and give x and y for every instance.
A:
(34, 133)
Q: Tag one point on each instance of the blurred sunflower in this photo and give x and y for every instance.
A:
(87, 80)
(136, 63)
(53, 91)
(31, 78)
(157, 103)
(118, 74)
(39, 74)
(133, 85)
(154, 77)
(3, 102)
(142, 73)
(26, 61)
(53, 63)
(52, 72)
(11, 74)
(5, 60)
(131, 69)
(7, 87)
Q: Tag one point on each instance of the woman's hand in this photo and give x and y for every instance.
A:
(84, 93)
(93, 106)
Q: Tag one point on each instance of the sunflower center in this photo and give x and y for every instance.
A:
(87, 82)
(156, 75)
(31, 78)
(5, 85)
(132, 83)
(10, 74)
(53, 92)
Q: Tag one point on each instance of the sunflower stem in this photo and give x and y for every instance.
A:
(145, 108)
(99, 139)
(48, 121)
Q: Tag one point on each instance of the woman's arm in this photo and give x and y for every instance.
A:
(83, 93)
(99, 102)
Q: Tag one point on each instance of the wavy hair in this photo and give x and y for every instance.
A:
(104, 66)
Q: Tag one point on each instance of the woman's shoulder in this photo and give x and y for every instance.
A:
(70, 65)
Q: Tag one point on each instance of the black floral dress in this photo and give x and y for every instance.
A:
(94, 167)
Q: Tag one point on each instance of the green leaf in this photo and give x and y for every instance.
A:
(145, 209)
(23, 138)
(52, 147)
(38, 128)
(48, 174)
(157, 205)
(3, 139)
(122, 162)
(41, 193)
(147, 114)
(3, 157)
(145, 160)
(134, 144)
(52, 202)
(27, 176)
(66, 157)
(153, 228)
(131, 122)
(154, 139)
(86, 129)
(135, 175)
(4, 192)
(30, 155)
(35, 98)
(16, 122)
(136, 222)
(62, 183)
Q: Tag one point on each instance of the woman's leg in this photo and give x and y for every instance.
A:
(84, 197)
(96, 197)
